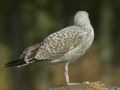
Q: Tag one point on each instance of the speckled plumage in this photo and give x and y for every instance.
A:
(63, 46)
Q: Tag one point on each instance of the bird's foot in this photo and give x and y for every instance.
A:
(71, 84)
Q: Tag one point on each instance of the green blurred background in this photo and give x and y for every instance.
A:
(26, 22)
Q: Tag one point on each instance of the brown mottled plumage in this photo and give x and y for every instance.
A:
(61, 47)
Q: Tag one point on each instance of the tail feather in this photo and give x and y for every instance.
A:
(18, 63)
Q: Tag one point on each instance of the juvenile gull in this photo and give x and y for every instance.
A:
(62, 47)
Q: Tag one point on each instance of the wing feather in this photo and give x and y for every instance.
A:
(55, 45)
(61, 42)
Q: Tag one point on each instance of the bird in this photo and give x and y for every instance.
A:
(61, 47)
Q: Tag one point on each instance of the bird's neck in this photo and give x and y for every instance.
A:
(84, 26)
(82, 23)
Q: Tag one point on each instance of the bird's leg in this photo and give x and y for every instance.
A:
(67, 76)
(66, 73)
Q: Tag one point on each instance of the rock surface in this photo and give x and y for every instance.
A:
(87, 86)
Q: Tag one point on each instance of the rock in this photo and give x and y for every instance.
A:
(87, 86)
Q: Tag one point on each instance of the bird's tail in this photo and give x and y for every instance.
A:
(17, 63)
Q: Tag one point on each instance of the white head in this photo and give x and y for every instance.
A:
(81, 18)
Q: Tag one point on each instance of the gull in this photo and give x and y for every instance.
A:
(61, 47)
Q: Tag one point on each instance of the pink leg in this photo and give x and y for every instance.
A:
(67, 76)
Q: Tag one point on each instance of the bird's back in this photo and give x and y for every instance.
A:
(53, 48)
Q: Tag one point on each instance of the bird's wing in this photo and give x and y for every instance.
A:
(56, 44)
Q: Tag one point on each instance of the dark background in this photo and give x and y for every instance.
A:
(26, 22)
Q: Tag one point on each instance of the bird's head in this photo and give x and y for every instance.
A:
(81, 18)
